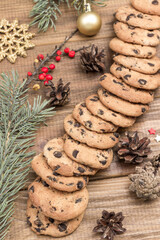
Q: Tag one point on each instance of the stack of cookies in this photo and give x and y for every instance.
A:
(59, 197)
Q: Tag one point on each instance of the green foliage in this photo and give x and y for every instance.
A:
(45, 12)
(18, 124)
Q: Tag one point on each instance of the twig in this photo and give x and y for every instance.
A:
(48, 57)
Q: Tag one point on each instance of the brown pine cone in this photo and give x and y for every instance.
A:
(132, 149)
(92, 60)
(110, 224)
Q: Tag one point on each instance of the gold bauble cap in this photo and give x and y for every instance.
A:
(89, 23)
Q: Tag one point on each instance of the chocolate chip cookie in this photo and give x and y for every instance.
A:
(43, 225)
(98, 109)
(135, 79)
(55, 204)
(91, 122)
(61, 163)
(55, 180)
(147, 6)
(119, 88)
(92, 139)
(129, 15)
(119, 105)
(95, 158)
(136, 35)
(147, 66)
(133, 50)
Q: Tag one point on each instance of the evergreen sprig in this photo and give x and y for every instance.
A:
(45, 12)
(18, 124)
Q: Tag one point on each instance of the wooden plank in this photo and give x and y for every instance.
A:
(141, 218)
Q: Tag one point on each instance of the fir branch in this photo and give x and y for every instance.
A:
(45, 12)
(18, 124)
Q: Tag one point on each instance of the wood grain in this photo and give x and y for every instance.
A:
(109, 188)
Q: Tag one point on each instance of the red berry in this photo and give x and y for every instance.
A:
(49, 77)
(40, 57)
(66, 50)
(52, 66)
(44, 74)
(44, 69)
(59, 52)
(41, 76)
(45, 82)
(29, 74)
(71, 54)
(58, 58)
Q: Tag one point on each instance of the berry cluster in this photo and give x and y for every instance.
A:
(44, 71)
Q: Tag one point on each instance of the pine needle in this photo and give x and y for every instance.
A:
(46, 12)
(19, 122)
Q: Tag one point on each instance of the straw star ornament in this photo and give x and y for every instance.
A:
(14, 40)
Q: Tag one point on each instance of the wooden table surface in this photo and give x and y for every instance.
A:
(108, 189)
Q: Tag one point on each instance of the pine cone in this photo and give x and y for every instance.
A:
(132, 149)
(59, 95)
(110, 225)
(146, 181)
(92, 61)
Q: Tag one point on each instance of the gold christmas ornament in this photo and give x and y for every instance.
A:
(89, 23)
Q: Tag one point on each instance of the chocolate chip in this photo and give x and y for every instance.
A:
(95, 99)
(83, 105)
(117, 82)
(140, 15)
(70, 122)
(77, 124)
(54, 208)
(142, 81)
(81, 170)
(55, 173)
(151, 64)
(127, 76)
(88, 124)
(85, 179)
(116, 135)
(149, 53)
(155, 2)
(32, 206)
(74, 153)
(132, 33)
(119, 69)
(56, 168)
(62, 227)
(102, 78)
(80, 112)
(32, 189)
(38, 222)
(49, 149)
(28, 222)
(61, 183)
(100, 112)
(143, 110)
(113, 139)
(150, 34)
(38, 230)
(131, 27)
(129, 16)
(69, 184)
(57, 154)
(80, 185)
(103, 162)
(135, 51)
(53, 179)
(51, 220)
(82, 132)
(78, 200)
